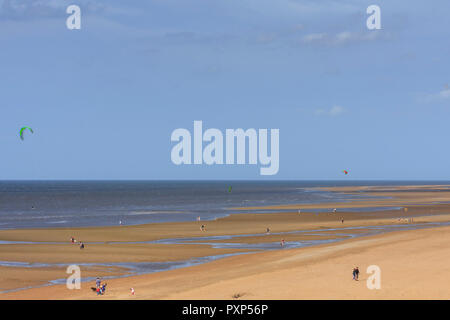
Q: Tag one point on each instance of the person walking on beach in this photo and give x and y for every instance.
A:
(282, 242)
(357, 273)
(268, 231)
(81, 245)
(203, 228)
(132, 291)
(342, 220)
(98, 282)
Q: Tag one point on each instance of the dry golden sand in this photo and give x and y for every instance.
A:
(414, 265)
(315, 272)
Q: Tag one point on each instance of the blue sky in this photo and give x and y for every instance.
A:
(104, 100)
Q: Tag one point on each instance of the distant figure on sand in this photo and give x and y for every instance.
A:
(98, 282)
(299, 211)
(81, 245)
(282, 242)
(342, 220)
(203, 228)
(334, 210)
(120, 222)
(268, 231)
(72, 239)
(132, 291)
(355, 273)
(198, 218)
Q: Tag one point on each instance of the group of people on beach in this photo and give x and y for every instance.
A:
(99, 287)
(73, 240)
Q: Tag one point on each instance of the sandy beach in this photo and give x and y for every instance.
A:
(168, 151)
(413, 263)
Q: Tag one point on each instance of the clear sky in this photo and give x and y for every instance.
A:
(104, 100)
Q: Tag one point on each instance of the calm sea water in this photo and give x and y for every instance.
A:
(44, 204)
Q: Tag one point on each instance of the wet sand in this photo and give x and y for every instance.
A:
(12, 277)
(106, 253)
(223, 278)
(323, 272)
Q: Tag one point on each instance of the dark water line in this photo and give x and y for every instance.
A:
(49, 204)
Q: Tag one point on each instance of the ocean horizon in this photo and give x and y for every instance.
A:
(87, 203)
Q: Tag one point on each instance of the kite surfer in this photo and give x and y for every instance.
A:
(22, 130)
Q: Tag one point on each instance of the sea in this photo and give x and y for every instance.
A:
(47, 204)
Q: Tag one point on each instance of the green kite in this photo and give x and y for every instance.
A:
(22, 130)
